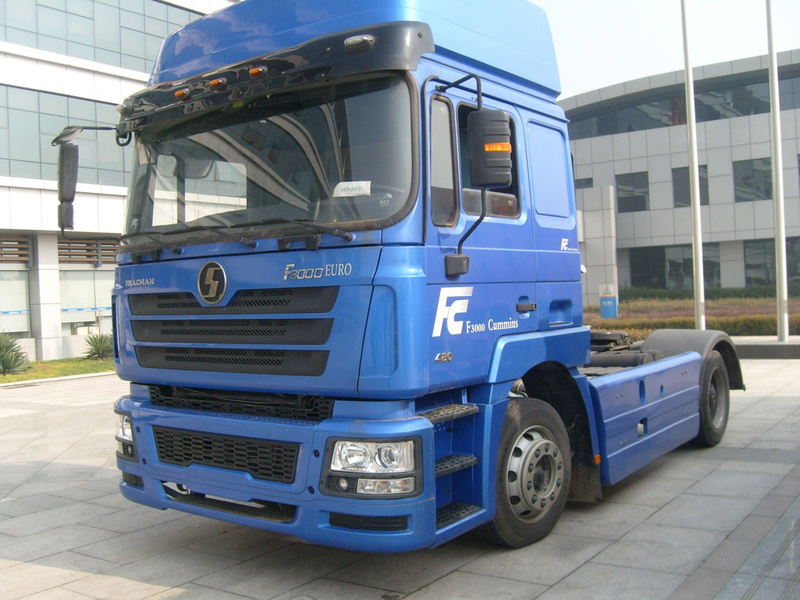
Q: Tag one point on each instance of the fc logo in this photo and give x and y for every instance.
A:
(446, 311)
(212, 283)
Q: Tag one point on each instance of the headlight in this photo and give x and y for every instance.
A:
(373, 457)
(126, 446)
(124, 429)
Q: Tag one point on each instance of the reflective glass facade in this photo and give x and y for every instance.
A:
(122, 33)
(711, 103)
(759, 260)
(29, 120)
(672, 267)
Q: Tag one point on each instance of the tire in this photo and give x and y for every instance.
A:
(715, 395)
(533, 474)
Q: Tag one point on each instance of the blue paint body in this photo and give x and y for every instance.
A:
(405, 338)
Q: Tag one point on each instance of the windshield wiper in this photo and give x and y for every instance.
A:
(162, 245)
(215, 229)
(345, 235)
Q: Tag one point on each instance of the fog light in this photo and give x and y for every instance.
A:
(341, 484)
(406, 485)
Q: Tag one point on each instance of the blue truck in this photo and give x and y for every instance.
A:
(348, 295)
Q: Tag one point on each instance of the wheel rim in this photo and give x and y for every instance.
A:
(534, 474)
(717, 407)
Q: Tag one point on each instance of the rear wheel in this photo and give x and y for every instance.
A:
(715, 393)
(533, 474)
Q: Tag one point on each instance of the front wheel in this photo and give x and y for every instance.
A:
(715, 396)
(533, 474)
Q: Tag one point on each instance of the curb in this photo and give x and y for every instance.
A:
(25, 382)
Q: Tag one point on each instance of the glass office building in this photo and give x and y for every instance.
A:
(68, 62)
(631, 139)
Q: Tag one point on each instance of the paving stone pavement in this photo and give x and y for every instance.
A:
(719, 523)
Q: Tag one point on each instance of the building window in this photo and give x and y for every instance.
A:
(752, 179)
(672, 267)
(633, 192)
(681, 188)
(711, 104)
(679, 266)
(15, 313)
(584, 183)
(759, 261)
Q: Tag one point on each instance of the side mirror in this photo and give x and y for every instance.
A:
(489, 135)
(67, 182)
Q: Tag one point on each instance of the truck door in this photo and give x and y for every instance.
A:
(468, 313)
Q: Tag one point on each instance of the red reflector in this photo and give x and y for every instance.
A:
(498, 147)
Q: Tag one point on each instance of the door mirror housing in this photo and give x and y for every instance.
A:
(489, 140)
(67, 182)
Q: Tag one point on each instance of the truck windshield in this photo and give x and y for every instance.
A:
(339, 154)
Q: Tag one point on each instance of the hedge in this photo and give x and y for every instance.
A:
(735, 325)
(755, 291)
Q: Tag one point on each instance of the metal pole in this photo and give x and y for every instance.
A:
(694, 183)
(781, 281)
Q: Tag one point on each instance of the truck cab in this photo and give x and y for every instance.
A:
(333, 327)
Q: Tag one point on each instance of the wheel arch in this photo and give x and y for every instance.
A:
(553, 383)
(676, 341)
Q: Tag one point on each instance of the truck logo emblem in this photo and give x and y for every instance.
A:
(448, 312)
(212, 283)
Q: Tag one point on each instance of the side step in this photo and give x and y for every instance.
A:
(450, 412)
(454, 512)
(453, 463)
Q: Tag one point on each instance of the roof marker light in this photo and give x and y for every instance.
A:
(183, 94)
(218, 84)
(257, 72)
(359, 43)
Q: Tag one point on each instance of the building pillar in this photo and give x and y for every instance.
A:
(731, 264)
(598, 241)
(45, 295)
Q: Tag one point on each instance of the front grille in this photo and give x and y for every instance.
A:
(302, 408)
(309, 363)
(245, 302)
(310, 332)
(262, 459)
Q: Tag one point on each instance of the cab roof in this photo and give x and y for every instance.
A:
(509, 37)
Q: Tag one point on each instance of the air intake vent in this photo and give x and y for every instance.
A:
(246, 302)
(309, 363)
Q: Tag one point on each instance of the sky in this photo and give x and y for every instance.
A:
(603, 42)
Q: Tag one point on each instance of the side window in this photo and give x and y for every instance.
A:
(502, 202)
(444, 202)
(548, 161)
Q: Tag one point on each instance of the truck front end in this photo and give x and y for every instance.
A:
(256, 297)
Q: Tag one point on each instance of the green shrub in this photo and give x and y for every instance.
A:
(12, 358)
(753, 291)
(101, 347)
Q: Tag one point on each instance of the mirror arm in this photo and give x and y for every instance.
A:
(444, 88)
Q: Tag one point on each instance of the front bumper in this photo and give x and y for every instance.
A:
(298, 507)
